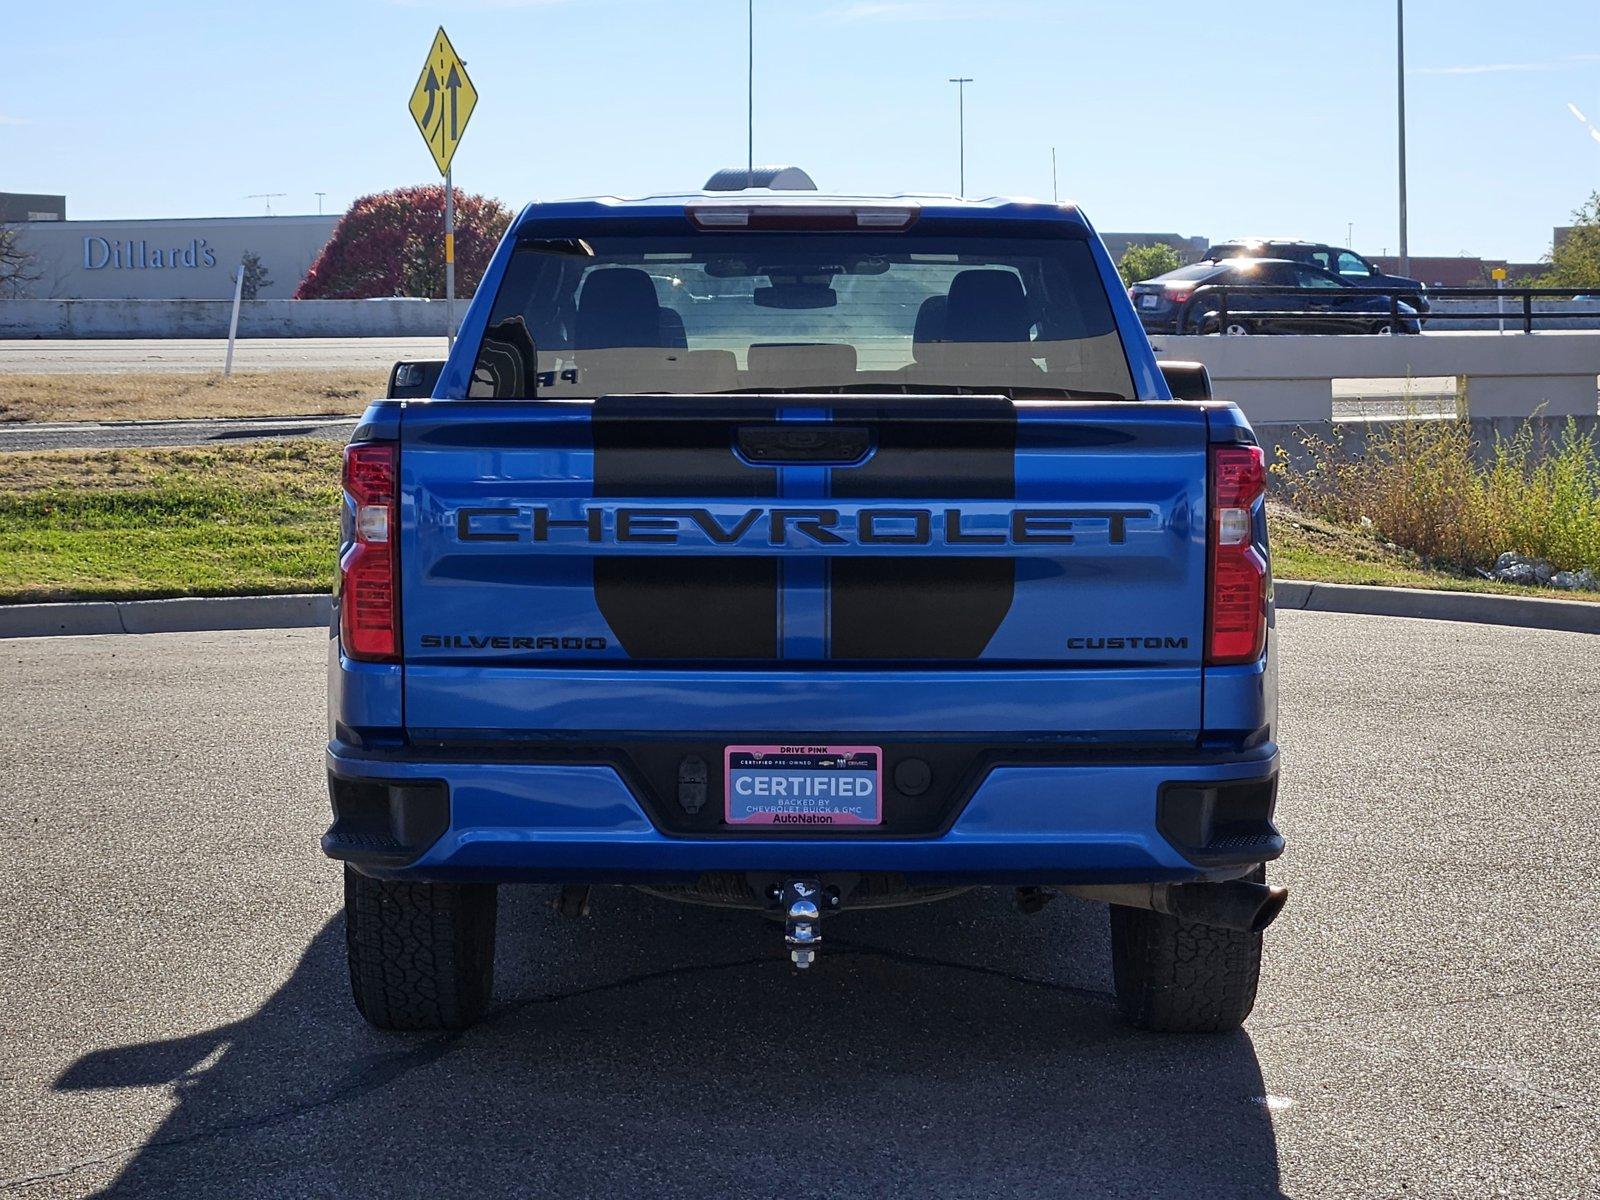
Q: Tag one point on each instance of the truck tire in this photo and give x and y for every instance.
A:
(421, 954)
(1174, 977)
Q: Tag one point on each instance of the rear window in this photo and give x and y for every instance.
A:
(731, 311)
(1197, 270)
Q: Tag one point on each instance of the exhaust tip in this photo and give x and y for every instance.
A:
(1240, 904)
(1271, 906)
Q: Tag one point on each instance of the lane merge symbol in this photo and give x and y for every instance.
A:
(443, 100)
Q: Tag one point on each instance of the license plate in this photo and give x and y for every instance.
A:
(803, 785)
(1148, 301)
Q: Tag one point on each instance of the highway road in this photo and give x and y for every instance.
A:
(175, 1020)
(112, 356)
(1353, 398)
(44, 356)
(111, 435)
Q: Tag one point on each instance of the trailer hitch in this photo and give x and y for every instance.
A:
(802, 902)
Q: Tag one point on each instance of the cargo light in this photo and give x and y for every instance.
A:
(1236, 574)
(817, 215)
(369, 618)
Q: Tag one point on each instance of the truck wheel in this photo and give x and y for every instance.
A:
(1173, 977)
(421, 954)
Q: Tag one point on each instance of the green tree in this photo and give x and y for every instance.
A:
(1575, 263)
(255, 275)
(1146, 262)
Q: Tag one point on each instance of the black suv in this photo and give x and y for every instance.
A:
(1347, 264)
(1188, 301)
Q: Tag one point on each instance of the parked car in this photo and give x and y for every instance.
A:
(1186, 301)
(1346, 264)
(810, 599)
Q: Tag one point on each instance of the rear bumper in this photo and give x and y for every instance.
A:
(1141, 819)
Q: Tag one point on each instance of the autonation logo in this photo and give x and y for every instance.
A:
(100, 253)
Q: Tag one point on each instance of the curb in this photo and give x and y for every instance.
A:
(197, 614)
(1483, 608)
(188, 614)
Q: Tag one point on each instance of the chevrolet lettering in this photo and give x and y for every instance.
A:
(774, 527)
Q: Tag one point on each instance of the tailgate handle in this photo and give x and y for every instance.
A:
(803, 443)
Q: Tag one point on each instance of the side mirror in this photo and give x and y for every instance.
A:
(413, 380)
(1187, 380)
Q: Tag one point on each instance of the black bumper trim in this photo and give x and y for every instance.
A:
(385, 822)
(1221, 824)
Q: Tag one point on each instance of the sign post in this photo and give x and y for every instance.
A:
(233, 321)
(449, 259)
(441, 104)
(1499, 277)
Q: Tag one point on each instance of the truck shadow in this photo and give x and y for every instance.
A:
(957, 1049)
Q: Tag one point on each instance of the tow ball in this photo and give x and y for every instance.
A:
(802, 902)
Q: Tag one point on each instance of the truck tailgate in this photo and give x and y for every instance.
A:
(793, 563)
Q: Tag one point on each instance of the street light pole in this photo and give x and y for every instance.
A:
(961, 125)
(1400, 48)
(750, 94)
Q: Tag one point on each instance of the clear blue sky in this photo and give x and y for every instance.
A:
(1187, 116)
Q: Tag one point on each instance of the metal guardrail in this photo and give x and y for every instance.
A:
(1524, 296)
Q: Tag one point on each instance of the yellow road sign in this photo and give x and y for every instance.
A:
(443, 100)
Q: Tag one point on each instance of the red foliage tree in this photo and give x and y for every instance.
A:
(392, 244)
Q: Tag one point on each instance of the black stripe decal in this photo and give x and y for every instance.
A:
(926, 608)
(695, 606)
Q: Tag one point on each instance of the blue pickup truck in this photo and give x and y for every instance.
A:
(804, 553)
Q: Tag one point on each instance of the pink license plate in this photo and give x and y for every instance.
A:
(799, 785)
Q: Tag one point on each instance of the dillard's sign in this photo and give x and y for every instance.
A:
(99, 253)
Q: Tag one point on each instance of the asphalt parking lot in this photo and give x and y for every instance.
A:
(174, 1018)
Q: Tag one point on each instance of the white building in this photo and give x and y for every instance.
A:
(183, 258)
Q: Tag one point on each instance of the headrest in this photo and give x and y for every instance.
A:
(617, 307)
(930, 324)
(986, 305)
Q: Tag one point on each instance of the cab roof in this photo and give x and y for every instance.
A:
(677, 204)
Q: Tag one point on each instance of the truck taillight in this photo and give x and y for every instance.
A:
(369, 614)
(1236, 601)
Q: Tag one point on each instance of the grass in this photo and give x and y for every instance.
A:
(261, 517)
(1424, 485)
(129, 524)
(152, 396)
(1318, 551)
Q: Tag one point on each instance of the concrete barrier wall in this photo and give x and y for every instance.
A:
(1290, 379)
(1514, 315)
(209, 318)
